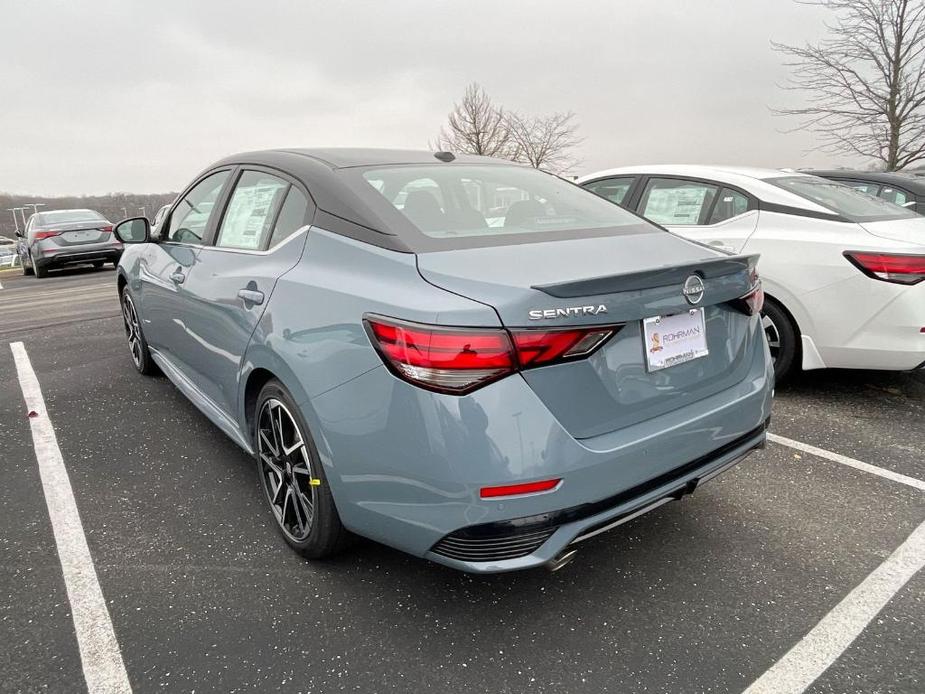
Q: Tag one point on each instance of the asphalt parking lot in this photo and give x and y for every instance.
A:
(704, 595)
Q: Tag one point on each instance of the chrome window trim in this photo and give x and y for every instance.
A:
(272, 249)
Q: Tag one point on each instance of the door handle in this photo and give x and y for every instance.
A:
(251, 296)
(177, 277)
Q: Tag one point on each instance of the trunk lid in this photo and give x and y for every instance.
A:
(910, 230)
(604, 281)
(81, 232)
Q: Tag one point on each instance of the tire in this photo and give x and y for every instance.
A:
(308, 522)
(26, 271)
(39, 270)
(782, 339)
(137, 345)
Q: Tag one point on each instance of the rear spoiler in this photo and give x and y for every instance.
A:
(651, 278)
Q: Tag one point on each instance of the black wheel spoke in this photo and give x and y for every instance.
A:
(286, 470)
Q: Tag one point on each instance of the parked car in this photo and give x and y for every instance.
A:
(485, 397)
(67, 237)
(906, 190)
(7, 250)
(842, 270)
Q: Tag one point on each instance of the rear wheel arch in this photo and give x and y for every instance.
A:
(789, 355)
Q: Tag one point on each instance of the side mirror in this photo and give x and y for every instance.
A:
(134, 230)
(19, 233)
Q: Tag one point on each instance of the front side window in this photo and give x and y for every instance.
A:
(675, 202)
(841, 199)
(613, 189)
(897, 197)
(190, 217)
(466, 201)
(869, 188)
(251, 210)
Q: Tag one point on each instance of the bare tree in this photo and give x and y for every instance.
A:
(865, 85)
(544, 142)
(476, 126)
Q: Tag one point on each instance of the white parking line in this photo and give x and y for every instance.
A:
(100, 657)
(851, 462)
(822, 646)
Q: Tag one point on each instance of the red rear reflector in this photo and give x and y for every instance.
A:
(889, 267)
(46, 234)
(458, 360)
(515, 489)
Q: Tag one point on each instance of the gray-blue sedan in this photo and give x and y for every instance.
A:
(469, 360)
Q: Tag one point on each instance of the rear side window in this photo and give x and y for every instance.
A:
(465, 201)
(613, 189)
(676, 202)
(291, 216)
(191, 216)
(730, 203)
(251, 210)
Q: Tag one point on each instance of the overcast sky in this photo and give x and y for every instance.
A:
(101, 96)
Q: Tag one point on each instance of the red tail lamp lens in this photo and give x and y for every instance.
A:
(453, 360)
(106, 229)
(39, 235)
(458, 360)
(537, 347)
(515, 489)
(889, 267)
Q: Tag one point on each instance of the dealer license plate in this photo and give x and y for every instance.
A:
(673, 340)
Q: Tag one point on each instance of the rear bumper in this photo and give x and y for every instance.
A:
(406, 465)
(523, 543)
(68, 257)
(881, 330)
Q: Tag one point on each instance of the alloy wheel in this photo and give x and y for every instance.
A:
(773, 334)
(285, 470)
(132, 329)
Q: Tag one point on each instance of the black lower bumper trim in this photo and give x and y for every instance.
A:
(492, 532)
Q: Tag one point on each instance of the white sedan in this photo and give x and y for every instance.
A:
(843, 272)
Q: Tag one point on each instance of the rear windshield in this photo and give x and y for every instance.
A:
(65, 216)
(490, 202)
(848, 202)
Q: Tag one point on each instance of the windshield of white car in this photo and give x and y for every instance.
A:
(486, 202)
(845, 201)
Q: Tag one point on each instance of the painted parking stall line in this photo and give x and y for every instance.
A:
(101, 659)
(832, 636)
(850, 462)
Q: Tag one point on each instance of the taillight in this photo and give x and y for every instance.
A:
(39, 235)
(540, 347)
(106, 229)
(889, 267)
(751, 304)
(459, 360)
